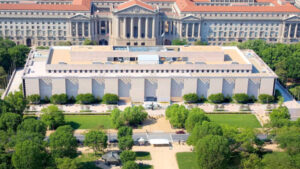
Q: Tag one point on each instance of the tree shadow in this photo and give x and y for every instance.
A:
(73, 124)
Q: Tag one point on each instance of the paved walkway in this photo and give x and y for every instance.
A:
(163, 157)
(15, 82)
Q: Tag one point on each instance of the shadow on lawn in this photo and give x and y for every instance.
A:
(73, 124)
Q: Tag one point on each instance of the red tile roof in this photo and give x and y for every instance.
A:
(78, 5)
(134, 2)
(189, 6)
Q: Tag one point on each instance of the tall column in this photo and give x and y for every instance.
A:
(169, 27)
(187, 27)
(296, 27)
(146, 27)
(131, 27)
(82, 29)
(77, 30)
(290, 26)
(180, 31)
(153, 28)
(193, 29)
(107, 26)
(199, 30)
(89, 29)
(139, 27)
(110, 23)
(118, 30)
(124, 28)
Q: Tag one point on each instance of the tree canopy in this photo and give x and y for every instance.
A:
(97, 140)
(53, 117)
(196, 115)
(212, 152)
(177, 115)
(63, 143)
(29, 155)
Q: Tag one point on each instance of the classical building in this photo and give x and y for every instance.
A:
(148, 22)
(136, 74)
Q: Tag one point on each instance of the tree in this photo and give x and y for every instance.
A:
(199, 42)
(52, 117)
(117, 118)
(63, 143)
(110, 98)
(18, 54)
(125, 143)
(251, 162)
(216, 98)
(34, 99)
(124, 131)
(29, 155)
(97, 140)
(212, 152)
(10, 121)
(130, 165)
(5, 159)
(241, 98)
(16, 101)
(135, 115)
(33, 125)
(280, 116)
(85, 98)
(278, 160)
(59, 99)
(191, 98)
(3, 76)
(127, 155)
(22, 136)
(179, 42)
(195, 115)
(200, 131)
(288, 138)
(89, 42)
(67, 43)
(177, 115)
(66, 163)
(295, 92)
(265, 98)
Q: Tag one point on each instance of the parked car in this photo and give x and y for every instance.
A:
(180, 132)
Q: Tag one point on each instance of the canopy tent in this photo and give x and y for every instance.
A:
(159, 142)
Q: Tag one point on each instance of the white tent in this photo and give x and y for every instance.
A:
(159, 142)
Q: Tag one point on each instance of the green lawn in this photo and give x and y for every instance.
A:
(87, 161)
(237, 120)
(88, 121)
(186, 160)
(143, 155)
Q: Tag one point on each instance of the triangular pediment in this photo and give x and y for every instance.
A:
(191, 18)
(135, 9)
(293, 19)
(79, 17)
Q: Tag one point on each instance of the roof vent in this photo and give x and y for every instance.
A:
(200, 63)
(62, 63)
(97, 63)
(235, 63)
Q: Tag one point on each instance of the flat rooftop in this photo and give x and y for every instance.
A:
(128, 55)
(160, 61)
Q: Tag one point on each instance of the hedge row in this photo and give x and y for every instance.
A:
(87, 98)
(220, 98)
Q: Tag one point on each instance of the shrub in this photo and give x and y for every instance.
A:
(59, 99)
(125, 143)
(110, 98)
(191, 98)
(130, 165)
(216, 98)
(34, 99)
(265, 98)
(241, 98)
(127, 155)
(124, 131)
(85, 98)
(177, 115)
